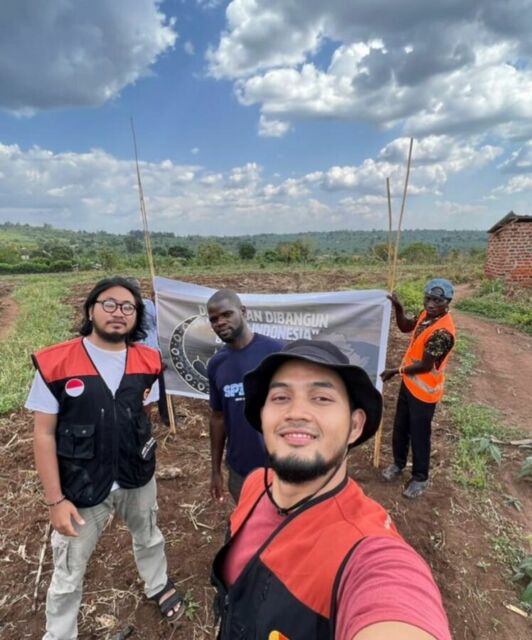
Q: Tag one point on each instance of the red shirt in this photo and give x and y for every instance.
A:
(384, 580)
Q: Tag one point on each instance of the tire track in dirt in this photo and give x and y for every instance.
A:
(503, 369)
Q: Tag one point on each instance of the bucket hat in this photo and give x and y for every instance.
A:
(361, 391)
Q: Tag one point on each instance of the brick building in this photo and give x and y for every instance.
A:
(509, 254)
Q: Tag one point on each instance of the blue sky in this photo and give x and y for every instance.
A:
(264, 115)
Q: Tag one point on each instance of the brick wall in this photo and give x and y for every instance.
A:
(509, 254)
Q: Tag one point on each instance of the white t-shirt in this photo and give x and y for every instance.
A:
(110, 365)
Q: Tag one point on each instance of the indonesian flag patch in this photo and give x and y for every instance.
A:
(74, 387)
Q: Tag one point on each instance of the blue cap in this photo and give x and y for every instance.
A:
(440, 283)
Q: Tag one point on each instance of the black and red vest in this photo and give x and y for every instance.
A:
(100, 438)
(289, 588)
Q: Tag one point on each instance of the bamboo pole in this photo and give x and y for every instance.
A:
(399, 225)
(149, 254)
(390, 248)
(392, 272)
(378, 436)
(147, 240)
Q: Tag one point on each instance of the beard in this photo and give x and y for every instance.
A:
(113, 338)
(295, 471)
(233, 335)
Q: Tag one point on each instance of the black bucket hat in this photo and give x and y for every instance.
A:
(360, 389)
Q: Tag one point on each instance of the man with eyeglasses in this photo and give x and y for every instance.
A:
(94, 451)
(422, 381)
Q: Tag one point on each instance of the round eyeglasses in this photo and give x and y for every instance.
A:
(110, 306)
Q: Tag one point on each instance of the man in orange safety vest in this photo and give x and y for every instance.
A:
(422, 381)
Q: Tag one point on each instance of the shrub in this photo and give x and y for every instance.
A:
(246, 251)
(180, 251)
(419, 252)
(209, 253)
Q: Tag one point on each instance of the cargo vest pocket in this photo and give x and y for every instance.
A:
(75, 441)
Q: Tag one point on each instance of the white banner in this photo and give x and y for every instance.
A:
(356, 321)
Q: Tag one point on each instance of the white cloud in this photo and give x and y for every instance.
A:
(520, 161)
(272, 128)
(428, 67)
(246, 175)
(449, 208)
(189, 48)
(454, 155)
(95, 190)
(194, 151)
(209, 4)
(70, 54)
(517, 184)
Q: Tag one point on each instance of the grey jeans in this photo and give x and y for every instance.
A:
(138, 509)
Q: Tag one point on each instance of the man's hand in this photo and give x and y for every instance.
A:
(406, 325)
(217, 486)
(61, 516)
(392, 297)
(388, 373)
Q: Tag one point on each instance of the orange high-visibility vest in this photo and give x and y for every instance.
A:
(427, 387)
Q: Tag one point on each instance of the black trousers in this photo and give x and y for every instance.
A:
(412, 426)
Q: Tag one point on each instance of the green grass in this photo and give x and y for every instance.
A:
(475, 453)
(43, 319)
(500, 303)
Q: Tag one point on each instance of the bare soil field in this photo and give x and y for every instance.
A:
(453, 529)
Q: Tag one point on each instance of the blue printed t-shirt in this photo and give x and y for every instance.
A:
(226, 370)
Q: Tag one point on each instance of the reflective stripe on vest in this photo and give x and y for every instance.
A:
(427, 387)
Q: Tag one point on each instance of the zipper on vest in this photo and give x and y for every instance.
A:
(115, 440)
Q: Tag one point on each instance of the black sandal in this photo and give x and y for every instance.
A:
(174, 603)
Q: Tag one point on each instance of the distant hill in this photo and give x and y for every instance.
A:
(345, 242)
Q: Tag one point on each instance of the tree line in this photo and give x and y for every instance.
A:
(30, 249)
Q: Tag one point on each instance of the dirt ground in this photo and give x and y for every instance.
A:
(453, 529)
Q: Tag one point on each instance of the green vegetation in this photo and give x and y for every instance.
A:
(477, 426)
(410, 293)
(523, 573)
(501, 303)
(192, 606)
(420, 252)
(43, 319)
(246, 251)
(476, 452)
(475, 449)
(27, 249)
(526, 469)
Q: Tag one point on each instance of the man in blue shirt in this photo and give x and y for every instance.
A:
(243, 351)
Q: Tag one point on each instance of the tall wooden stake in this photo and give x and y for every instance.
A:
(390, 249)
(149, 254)
(392, 272)
(399, 226)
